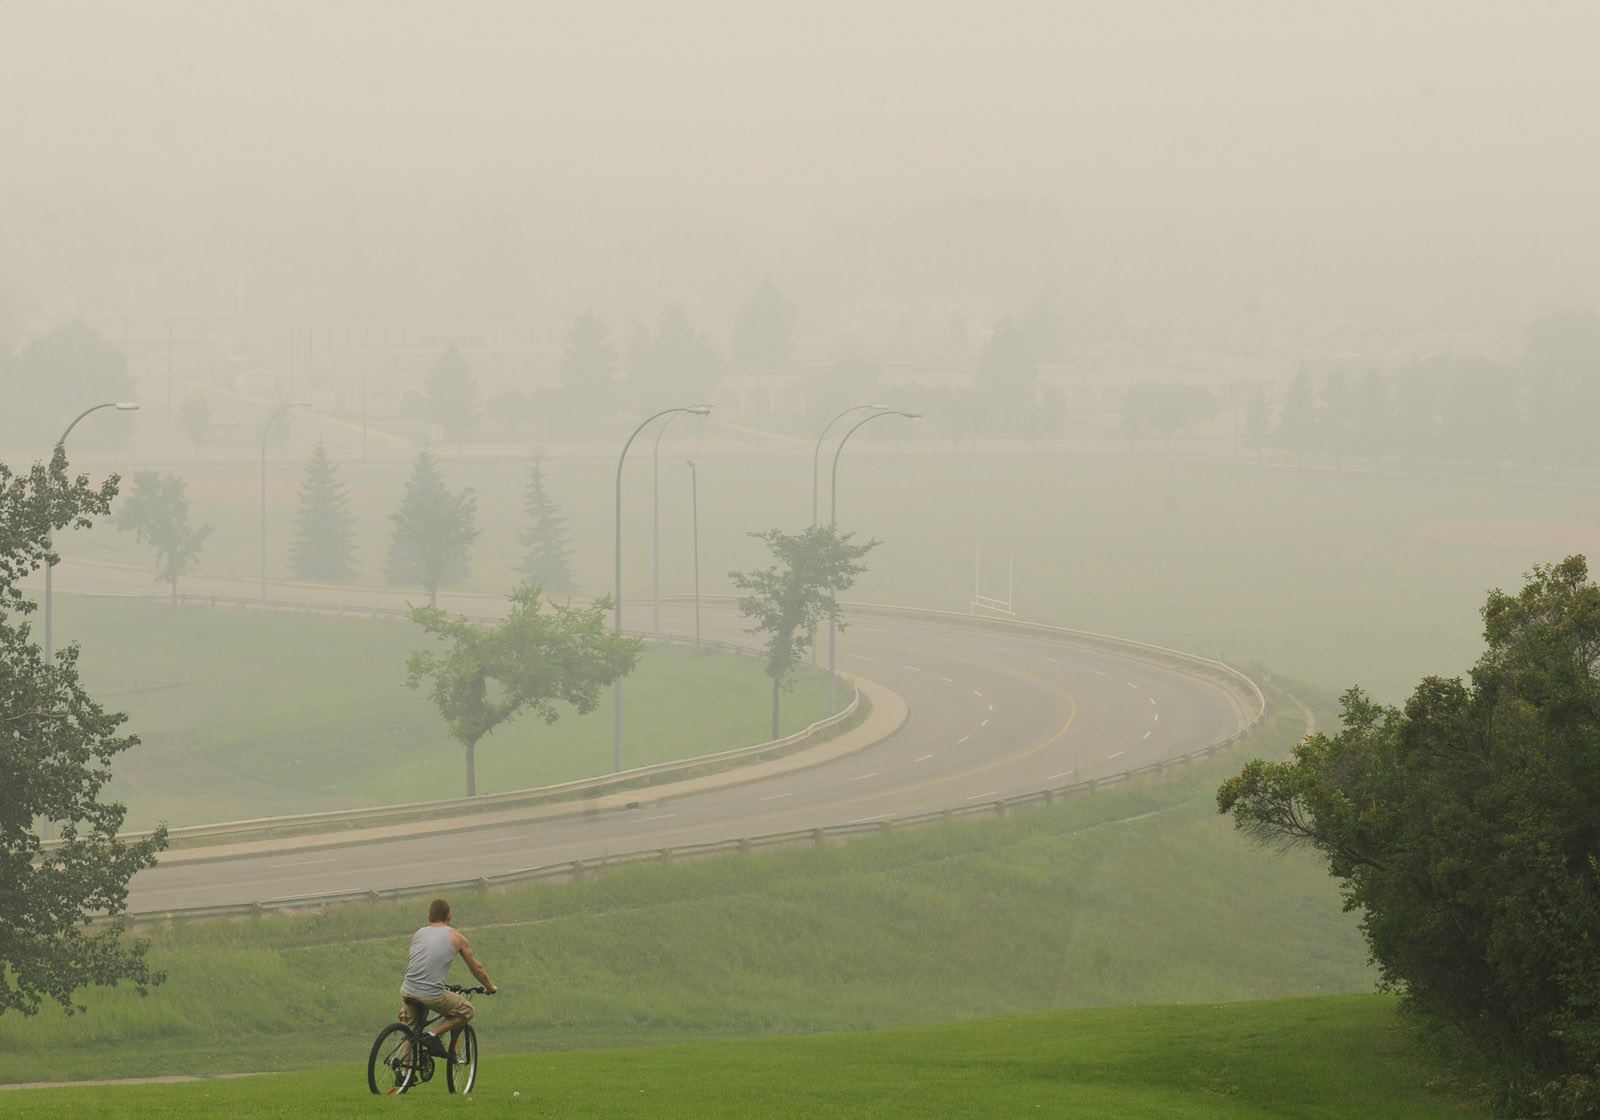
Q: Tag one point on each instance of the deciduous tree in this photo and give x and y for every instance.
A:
(789, 599)
(451, 393)
(539, 656)
(157, 512)
(1464, 828)
(56, 749)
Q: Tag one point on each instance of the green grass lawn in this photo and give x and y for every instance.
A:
(1342, 1058)
(1315, 573)
(246, 714)
(1133, 895)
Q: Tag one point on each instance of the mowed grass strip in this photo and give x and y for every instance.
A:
(1138, 894)
(1343, 1057)
(251, 714)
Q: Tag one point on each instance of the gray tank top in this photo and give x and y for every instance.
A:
(431, 953)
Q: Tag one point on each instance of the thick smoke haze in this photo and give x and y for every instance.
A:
(1426, 165)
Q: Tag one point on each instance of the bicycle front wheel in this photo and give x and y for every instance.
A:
(461, 1071)
(391, 1067)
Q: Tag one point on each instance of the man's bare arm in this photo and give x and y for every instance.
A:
(464, 947)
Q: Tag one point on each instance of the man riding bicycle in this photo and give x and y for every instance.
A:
(433, 949)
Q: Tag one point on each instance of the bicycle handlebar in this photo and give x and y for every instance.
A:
(480, 990)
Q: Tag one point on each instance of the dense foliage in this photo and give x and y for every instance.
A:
(56, 747)
(157, 512)
(1465, 828)
(534, 658)
(789, 599)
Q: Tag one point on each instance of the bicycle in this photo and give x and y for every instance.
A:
(401, 1061)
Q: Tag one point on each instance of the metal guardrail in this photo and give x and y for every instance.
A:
(574, 870)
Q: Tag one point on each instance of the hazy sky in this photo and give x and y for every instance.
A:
(1180, 141)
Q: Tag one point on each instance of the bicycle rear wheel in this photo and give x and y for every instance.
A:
(392, 1065)
(461, 1071)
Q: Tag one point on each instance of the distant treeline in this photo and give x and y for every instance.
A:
(1450, 410)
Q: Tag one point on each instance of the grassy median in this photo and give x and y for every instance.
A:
(251, 714)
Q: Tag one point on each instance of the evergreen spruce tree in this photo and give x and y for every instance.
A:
(433, 531)
(323, 548)
(546, 557)
(1297, 423)
(1257, 422)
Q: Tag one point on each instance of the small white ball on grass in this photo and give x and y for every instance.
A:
(516, 1094)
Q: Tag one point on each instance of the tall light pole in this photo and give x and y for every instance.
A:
(816, 454)
(833, 522)
(265, 428)
(616, 688)
(655, 521)
(694, 520)
(60, 445)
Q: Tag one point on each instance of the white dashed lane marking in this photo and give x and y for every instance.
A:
(985, 723)
(1101, 673)
(1147, 734)
(864, 777)
(310, 862)
(1063, 774)
(662, 817)
(913, 668)
(948, 680)
(963, 739)
(990, 793)
(497, 840)
(1119, 754)
(924, 758)
(775, 796)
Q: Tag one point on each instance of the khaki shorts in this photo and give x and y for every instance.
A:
(449, 1004)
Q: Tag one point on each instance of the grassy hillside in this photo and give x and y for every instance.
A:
(1337, 578)
(1133, 895)
(1349, 1058)
(246, 714)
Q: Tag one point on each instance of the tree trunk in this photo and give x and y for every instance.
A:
(777, 686)
(174, 593)
(433, 601)
(472, 769)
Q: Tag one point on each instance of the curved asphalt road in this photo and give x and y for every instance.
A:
(991, 716)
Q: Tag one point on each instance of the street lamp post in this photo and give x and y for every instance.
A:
(655, 523)
(265, 428)
(833, 522)
(694, 521)
(616, 688)
(60, 445)
(816, 453)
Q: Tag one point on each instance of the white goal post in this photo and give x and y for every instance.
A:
(990, 604)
